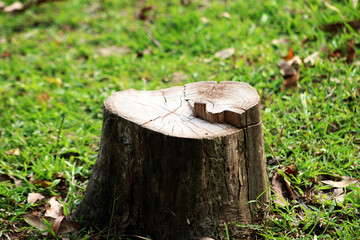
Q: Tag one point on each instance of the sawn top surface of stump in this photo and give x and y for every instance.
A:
(179, 111)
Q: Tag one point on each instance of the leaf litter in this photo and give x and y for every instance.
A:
(290, 70)
(33, 197)
(225, 53)
(114, 50)
(54, 216)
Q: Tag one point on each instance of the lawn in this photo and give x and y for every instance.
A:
(59, 61)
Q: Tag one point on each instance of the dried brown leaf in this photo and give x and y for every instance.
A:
(280, 41)
(288, 188)
(68, 226)
(6, 55)
(14, 151)
(310, 60)
(55, 225)
(146, 13)
(16, 6)
(176, 78)
(44, 97)
(61, 226)
(350, 52)
(339, 194)
(35, 221)
(340, 184)
(225, 15)
(336, 27)
(33, 197)
(204, 20)
(286, 69)
(277, 185)
(225, 53)
(114, 50)
(291, 170)
(290, 70)
(54, 208)
(41, 183)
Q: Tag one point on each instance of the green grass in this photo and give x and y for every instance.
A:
(55, 70)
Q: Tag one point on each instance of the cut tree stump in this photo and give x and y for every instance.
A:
(179, 163)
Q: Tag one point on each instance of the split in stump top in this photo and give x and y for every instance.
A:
(195, 110)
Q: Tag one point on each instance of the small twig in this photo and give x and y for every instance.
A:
(272, 152)
(151, 36)
(60, 128)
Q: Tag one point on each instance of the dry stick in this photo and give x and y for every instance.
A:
(272, 152)
(151, 36)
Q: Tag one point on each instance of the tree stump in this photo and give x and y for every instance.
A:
(178, 163)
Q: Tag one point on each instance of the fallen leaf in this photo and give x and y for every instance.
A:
(41, 183)
(14, 151)
(176, 77)
(280, 41)
(291, 170)
(38, 222)
(225, 53)
(336, 27)
(4, 177)
(225, 15)
(204, 20)
(6, 55)
(54, 209)
(55, 225)
(335, 80)
(277, 185)
(146, 13)
(16, 6)
(33, 197)
(141, 53)
(336, 54)
(340, 184)
(68, 226)
(290, 70)
(288, 188)
(44, 97)
(114, 50)
(350, 52)
(310, 60)
(339, 194)
(308, 39)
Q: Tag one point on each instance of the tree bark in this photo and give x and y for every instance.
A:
(179, 163)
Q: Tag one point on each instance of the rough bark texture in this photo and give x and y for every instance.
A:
(164, 172)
